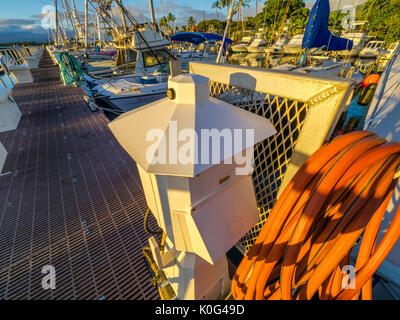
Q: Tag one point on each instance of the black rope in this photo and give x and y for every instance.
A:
(146, 227)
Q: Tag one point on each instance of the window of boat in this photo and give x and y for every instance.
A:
(150, 60)
(125, 56)
(379, 45)
(392, 46)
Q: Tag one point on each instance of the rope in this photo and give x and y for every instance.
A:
(71, 72)
(146, 225)
(339, 194)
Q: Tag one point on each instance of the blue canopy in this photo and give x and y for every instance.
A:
(198, 37)
(317, 33)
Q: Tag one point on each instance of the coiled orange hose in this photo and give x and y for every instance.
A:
(340, 194)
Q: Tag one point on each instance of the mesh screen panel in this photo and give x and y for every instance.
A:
(272, 155)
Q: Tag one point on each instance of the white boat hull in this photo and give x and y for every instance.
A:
(291, 50)
(239, 49)
(256, 49)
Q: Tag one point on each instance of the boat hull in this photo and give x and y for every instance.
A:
(256, 49)
(291, 50)
(239, 49)
(348, 53)
(128, 103)
(273, 50)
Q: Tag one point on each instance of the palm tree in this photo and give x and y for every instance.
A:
(298, 20)
(171, 18)
(191, 22)
(237, 8)
(164, 23)
(219, 4)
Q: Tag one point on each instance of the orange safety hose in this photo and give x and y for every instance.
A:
(271, 229)
(339, 194)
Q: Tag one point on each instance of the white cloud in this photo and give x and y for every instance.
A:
(16, 22)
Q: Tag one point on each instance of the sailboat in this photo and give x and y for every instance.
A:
(316, 38)
(258, 44)
(149, 56)
(372, 50)
(358, 40)
(277, 47)
(138, 75)
(294, 45)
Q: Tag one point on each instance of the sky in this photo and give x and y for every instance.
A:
(20, 20)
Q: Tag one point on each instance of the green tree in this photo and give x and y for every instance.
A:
(298, 20)
(164, 24)
(171, 18)
(210, 24)
(191, 22)
(335, 21)
(277, 12)
(226, 3)
(383, 18)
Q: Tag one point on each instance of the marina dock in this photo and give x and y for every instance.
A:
(199, 152)
(70, 197)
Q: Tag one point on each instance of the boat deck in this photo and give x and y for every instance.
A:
(70, 197)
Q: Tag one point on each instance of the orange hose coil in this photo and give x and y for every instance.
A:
(339, 194)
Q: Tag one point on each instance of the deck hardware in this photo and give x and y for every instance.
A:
(171, 94)
(192, 202)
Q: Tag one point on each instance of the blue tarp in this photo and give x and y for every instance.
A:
(198, 37)
(317, 33)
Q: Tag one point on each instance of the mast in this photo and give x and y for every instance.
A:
(228, 22)
(122, 16)
(56, 3)
(60, 30)
(86, 25)
(68, 27)
(153, 21)
(72, 20)
(98, 28)
(77, 21)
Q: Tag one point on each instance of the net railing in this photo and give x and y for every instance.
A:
(303, 109)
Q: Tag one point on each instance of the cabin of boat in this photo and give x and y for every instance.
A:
(294, 45)
(242, 45)
(359, 39)
(372, 50)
